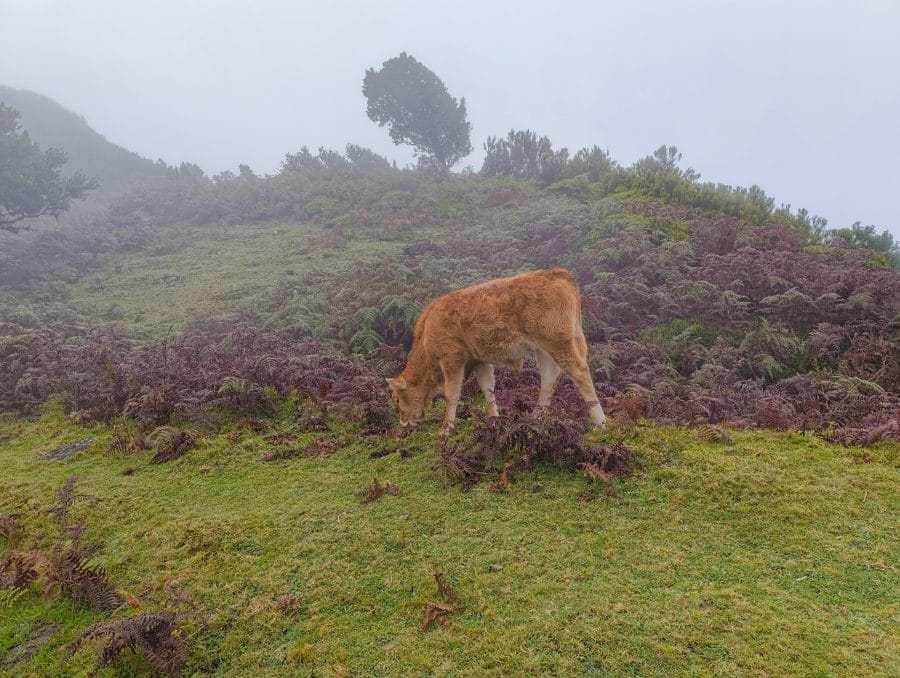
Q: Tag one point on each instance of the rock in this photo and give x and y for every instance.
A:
(69, 449)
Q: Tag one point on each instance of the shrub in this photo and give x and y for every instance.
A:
(518, 439)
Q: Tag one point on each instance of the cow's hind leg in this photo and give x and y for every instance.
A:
(484, 373)
(571, 356)
(550, 372)
(453, 380)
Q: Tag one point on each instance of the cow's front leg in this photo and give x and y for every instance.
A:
(453, 380)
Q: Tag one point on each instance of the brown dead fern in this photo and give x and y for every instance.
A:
(443, 586)
(849, 436)
(436, 612)
(375, 489)
(122, 441)
(65, 498)
(18, 569)
(320, 447)
(154, 633)
(714, 434)
(70, 569)
(439, 611)
(170, 443)
(9, 524)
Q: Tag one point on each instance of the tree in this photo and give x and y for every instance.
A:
(665, 159)
(525, 155)
(418, 109)
(594, 162)
(31, 181)
(188, 172)
(868, 237)
(522, 155)
(366, 159)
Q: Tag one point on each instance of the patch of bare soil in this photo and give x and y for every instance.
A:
(29, 647)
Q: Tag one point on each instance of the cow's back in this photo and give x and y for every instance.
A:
(496, 320)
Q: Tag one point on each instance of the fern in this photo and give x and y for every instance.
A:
(714, 434)
(79, 579)
(170, 443)
(232, 385)
(154, 633)
(18, 569)
(10, 597)
(366, 341)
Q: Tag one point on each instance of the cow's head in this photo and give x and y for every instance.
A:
(410, 401)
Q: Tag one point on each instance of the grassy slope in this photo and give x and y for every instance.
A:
(53, 126)
(223, 267)
(763, 557)
(772, 556)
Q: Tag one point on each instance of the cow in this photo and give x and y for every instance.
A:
(498, 322)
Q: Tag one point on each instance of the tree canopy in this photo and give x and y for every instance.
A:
(866, 236)
(417, 108)
(525, 155)
(31, 180)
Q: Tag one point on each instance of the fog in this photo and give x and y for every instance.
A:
(802, 98)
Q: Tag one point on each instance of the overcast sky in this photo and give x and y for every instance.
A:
(802, 98)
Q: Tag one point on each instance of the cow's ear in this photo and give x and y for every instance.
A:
(397, 383)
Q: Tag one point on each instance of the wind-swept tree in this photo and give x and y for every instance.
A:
(31, 180)
(417, 108)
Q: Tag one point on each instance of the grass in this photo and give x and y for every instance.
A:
(773, 556)
(219, 269)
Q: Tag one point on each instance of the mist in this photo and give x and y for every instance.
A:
(801, 98)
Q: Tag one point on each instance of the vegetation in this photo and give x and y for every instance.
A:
(31, 181)
(274, 568)
(868, 237)
(524, 155)
(201, 473)
(418, 109)
(693, 316)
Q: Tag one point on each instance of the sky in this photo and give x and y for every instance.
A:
(799, 97)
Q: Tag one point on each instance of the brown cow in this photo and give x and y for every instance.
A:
(496, 323)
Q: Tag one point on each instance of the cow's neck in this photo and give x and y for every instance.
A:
(421, 370)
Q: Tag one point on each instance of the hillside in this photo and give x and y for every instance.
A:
(702, 303)
(53, 126)
(207, 362)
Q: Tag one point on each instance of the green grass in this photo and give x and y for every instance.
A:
(220, 269)
(777, 555)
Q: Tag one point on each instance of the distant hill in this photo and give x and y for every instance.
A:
(52, 125)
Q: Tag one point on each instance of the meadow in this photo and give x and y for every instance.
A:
(217, 348)
(773, 552)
